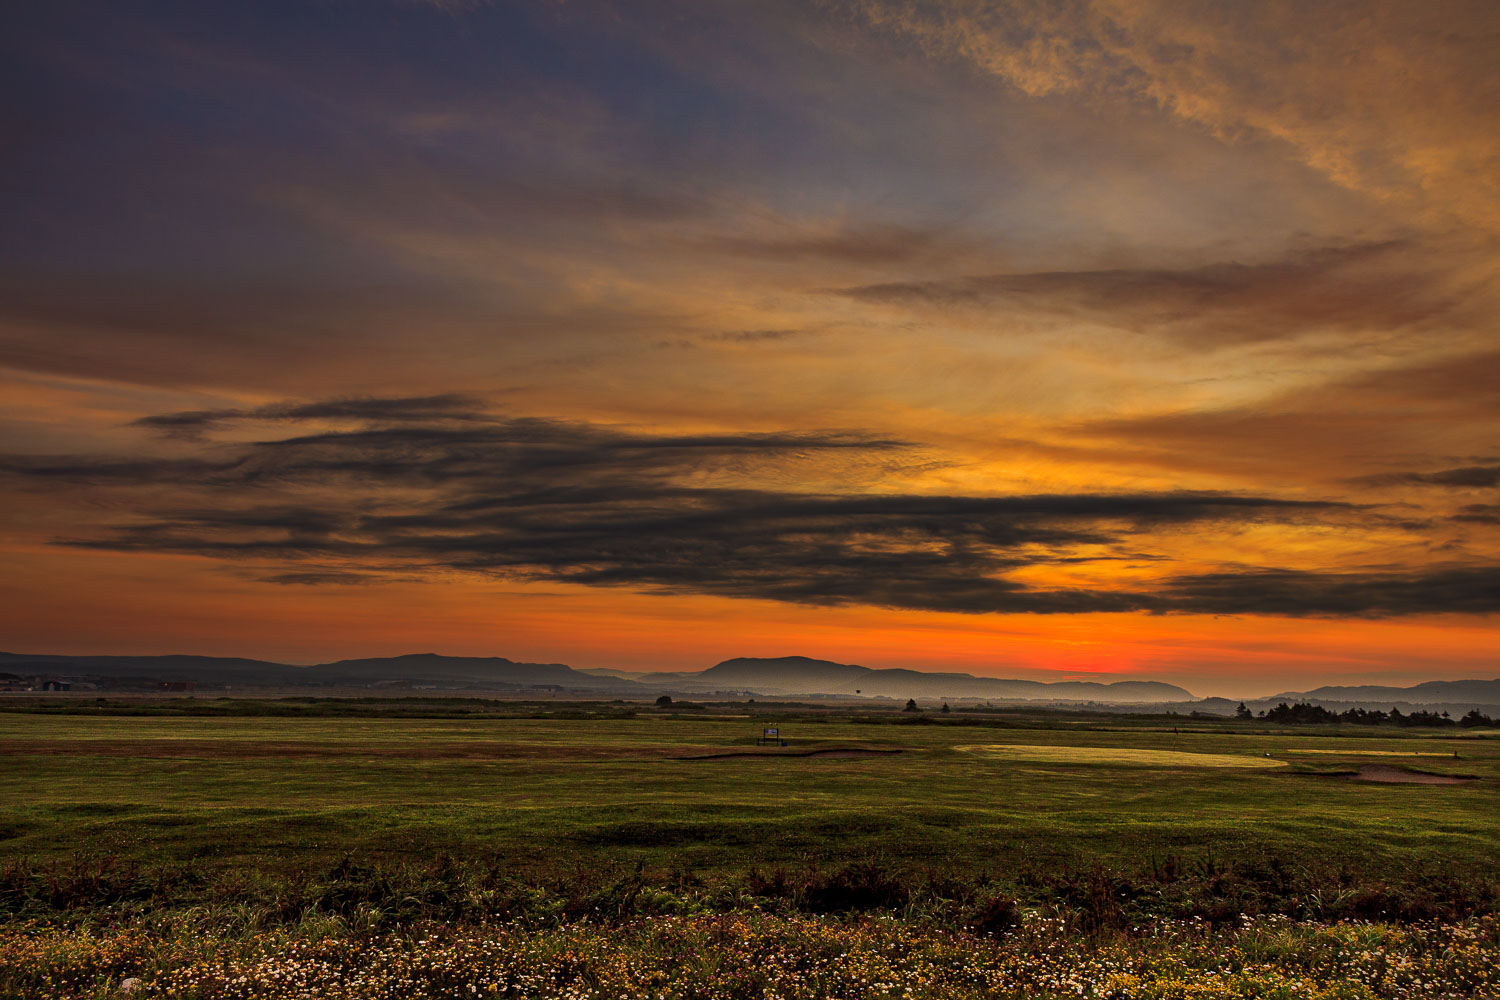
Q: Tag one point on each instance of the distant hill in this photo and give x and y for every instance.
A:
(778, 676)
(1430, 691)
(802, 675)
(416, 670)
(629, 675)
(469, 671)
(140, 670)
(1454, 697)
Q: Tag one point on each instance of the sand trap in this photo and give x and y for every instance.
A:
(1395, 776)
(1117, 755)
(1378, 753)
(781, 754)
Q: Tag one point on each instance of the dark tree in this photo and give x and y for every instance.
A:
(945, 708)
(1242, 713)
(1300, 713)
(664, 701)
(1422, 717)
(911, 705)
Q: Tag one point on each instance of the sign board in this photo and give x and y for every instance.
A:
(771, 735)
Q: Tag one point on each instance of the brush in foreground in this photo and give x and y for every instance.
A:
(752, 955)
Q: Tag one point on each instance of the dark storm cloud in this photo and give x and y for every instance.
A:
(446, 443)
(1479, 513)
(468, 456)
(85, 470)
(447, 406)
(1465, 476)
(939, 553)
(186, 423)
(318, 578)
(1374, 594)
(1370, 285)
(453, 487)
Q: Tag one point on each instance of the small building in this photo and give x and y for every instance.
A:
(52, 684)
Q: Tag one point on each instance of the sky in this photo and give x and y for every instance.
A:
(1113, 340)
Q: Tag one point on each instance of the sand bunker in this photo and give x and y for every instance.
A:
(783, 754)
(1396, 776)
(1117, 755)
(1378, 753)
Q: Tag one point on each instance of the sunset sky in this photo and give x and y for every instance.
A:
(1123, 339)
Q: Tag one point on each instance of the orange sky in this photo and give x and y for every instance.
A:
(1118, 338)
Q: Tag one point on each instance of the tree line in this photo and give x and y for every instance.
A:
(1307, 713)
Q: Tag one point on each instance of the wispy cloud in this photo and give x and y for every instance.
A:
(1354, 288)
(1381, 97)
(754, 336)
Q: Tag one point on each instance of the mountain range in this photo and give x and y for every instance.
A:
(783, 676)
(415, 670)
(1487, 692)
(742, 676)
(1454, 697)
(801, 675)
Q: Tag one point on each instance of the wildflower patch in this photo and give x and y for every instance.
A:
(757, 956)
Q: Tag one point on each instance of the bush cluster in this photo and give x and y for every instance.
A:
(1305, 713)
(1088, 899)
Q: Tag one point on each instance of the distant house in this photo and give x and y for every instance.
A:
(51, 684)
(177, 686)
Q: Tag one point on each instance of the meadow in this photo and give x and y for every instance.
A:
(161, 836)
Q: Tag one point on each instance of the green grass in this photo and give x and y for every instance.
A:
(166, 845)
(276, 792)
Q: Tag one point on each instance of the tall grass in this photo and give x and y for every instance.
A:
(87, 889)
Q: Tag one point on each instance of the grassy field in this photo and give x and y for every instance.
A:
(237, 855)
(537, 794)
